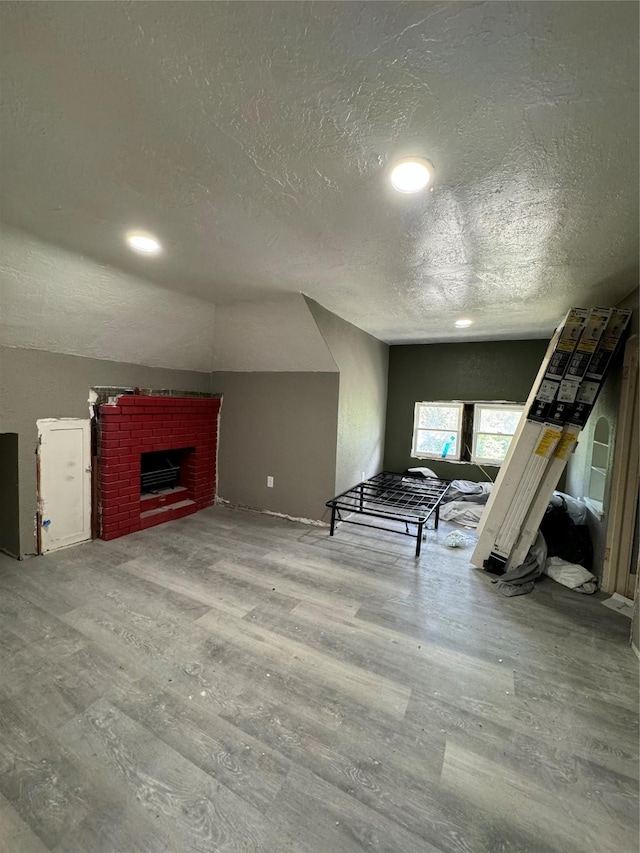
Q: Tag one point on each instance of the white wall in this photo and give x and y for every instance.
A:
(54, 300)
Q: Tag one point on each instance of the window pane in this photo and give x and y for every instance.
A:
(439, 417)
(492, 447)
(498, 420)
(435, 441)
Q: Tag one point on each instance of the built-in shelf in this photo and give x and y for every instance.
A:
(599, 467)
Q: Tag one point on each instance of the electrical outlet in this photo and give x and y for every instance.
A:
(364, 475)
(269, 482)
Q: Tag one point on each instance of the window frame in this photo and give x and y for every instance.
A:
(477, 407)
(450, 404)
(467, 433)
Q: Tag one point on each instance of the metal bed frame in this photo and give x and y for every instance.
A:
(392, 497)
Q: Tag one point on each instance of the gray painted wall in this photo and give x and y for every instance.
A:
(9, 496)
(363, 362)
(281, 425)
(495, 370)
(36, 384)
(270, 335)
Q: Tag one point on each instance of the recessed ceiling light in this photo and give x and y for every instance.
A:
(411, 175)
(462, 324)
(145, 243)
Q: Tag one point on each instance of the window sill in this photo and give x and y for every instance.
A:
(436, 458)
(457, 461)
(595, 508)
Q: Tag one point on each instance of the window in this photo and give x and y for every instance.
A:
(437, 430)
(467, 432)
(493, 427)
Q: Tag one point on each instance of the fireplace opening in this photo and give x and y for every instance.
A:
(162, 470)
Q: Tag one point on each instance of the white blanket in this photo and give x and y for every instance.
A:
(571, 575)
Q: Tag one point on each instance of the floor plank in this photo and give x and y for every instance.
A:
(187, 803)
(233, 681)
(15, 835)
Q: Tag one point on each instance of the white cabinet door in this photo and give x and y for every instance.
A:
(64, 448)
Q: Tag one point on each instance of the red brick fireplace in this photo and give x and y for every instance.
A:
(185, 429)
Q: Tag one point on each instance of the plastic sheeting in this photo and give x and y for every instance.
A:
(462, 512)
(465, 490)
(422, 472)
(571, 575)
(521, 579)
(577, 509)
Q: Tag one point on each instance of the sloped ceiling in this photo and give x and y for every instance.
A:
(59, 301)
(255, 138)
(273, 335)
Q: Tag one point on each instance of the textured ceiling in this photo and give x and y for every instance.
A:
(254, 139)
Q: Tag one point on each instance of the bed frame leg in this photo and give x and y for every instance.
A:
(333, 520)
(437, 521)
(419, 538)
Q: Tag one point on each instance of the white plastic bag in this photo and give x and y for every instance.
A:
(455, 539)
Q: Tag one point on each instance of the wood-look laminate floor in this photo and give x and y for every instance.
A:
(237, 682)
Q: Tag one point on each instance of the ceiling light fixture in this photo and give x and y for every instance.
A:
(144, 243)
(411, 175)
(462, 324)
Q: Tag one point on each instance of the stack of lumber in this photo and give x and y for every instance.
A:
(562, 397)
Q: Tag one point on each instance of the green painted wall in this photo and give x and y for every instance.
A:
(489, 370)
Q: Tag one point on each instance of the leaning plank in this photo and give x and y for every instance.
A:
(533, 466)
(528, 434)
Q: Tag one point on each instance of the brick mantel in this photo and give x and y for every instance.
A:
(138, 424)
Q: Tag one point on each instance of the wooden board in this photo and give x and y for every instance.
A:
(623, 499)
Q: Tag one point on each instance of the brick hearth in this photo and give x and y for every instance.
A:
(138, 424)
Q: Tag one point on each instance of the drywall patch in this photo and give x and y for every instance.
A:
(312, 521)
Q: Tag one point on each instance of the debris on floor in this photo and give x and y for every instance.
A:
(620, 604)
(455, 539)
(462, 512)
